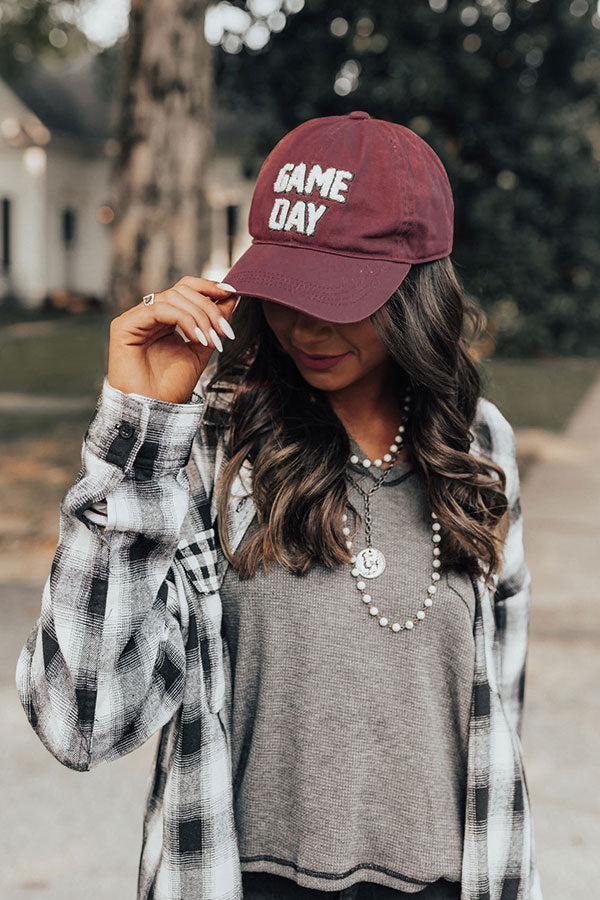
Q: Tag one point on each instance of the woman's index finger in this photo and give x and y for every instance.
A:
(205, 286)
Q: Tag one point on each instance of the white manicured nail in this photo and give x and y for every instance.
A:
(226, 327)
(226, 287)
(215, 339)
(201, 336)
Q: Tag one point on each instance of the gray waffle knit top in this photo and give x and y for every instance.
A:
(348, 740)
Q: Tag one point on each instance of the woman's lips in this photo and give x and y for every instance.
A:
(313, 362)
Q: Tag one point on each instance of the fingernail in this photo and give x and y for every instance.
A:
(226, 327)
(201, 336)
(226, 287)
(215, 339)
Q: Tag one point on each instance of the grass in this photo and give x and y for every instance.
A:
(68, 361)
(61, 428)
(538, 393)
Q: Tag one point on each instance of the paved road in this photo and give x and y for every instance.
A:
(66, 835)
(561, 733)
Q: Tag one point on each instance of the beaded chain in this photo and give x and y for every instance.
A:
(371, 562)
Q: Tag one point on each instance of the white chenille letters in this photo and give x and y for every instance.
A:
(296, 180)
(322, 179)
(282, 178)
(338, 185)
(303, 216)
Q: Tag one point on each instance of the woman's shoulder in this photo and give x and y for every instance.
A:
(493, 434)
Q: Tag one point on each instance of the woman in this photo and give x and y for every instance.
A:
(309, 574)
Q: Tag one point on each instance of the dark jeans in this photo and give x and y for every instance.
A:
(265, 886)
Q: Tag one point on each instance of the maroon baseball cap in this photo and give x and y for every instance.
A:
(341, 209)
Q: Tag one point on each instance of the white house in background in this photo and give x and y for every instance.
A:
(56, 150)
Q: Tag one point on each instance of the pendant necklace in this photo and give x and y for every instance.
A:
(370, 562)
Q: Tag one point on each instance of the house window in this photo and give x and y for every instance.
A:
(69, 222)
(5, 248)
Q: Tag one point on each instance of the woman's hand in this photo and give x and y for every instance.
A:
(147, 356)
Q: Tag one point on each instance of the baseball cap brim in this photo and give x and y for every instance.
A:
(327, 285)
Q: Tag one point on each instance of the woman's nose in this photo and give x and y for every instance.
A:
(307, 324)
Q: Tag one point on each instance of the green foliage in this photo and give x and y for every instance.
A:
(507, 93)
(42, 30)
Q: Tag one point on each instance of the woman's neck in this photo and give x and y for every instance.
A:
(371, 412)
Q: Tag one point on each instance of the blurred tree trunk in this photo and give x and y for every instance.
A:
(161, 229)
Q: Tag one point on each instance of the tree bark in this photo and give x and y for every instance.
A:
(161, 229)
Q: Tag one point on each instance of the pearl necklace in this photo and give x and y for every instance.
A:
(370, 562)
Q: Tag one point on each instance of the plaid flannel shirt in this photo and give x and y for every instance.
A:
(129, 642)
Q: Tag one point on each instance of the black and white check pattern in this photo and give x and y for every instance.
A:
(129, 642)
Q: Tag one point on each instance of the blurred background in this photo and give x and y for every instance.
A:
(130, 141)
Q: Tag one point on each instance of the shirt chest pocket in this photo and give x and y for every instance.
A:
(197, 556)
(197, 553)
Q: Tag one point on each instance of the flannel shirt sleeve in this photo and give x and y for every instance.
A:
(512, 595)
(103, 668)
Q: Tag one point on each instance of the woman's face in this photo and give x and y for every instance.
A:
(357, 345)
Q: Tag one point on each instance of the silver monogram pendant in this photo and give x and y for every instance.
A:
(370, 562)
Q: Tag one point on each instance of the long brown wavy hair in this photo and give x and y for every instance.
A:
(299, 447)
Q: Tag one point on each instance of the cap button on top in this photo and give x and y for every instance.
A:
(359, 114)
